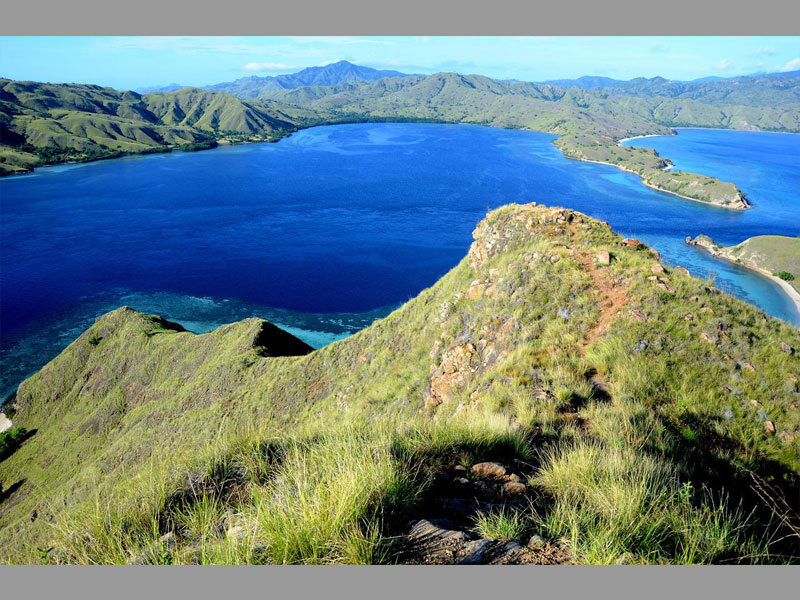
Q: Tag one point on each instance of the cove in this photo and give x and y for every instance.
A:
(334, 226)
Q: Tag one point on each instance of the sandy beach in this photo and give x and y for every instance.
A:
(793, 294)
(636, 137)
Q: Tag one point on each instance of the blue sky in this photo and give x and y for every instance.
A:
(132, 62)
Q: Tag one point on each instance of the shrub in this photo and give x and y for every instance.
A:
(785, 275)
(11, 440)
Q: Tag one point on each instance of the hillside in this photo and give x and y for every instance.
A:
(42, 123)
(768, 90)
(47, 123)
(562, 397)
(588, 122)
(332, 74)
(772, 255)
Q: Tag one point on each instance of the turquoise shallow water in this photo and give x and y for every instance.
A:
(333, 227)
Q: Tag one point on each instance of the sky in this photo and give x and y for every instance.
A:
(136, 62)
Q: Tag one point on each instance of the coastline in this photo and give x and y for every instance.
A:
(219, 143)
(652, 187)
(649, 135)
(742, 130)
(792, 293)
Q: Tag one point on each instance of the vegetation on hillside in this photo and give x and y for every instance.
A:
(562, 397)
(45, 123)
(775, 255)
(589, 123)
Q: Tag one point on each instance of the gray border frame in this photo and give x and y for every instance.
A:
(400, 17)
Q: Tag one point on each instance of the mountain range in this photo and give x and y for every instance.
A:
(45, 123)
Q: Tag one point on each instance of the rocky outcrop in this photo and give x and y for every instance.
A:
(436, 543)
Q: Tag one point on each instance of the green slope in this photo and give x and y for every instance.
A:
(771, 254)
(589, 122)
(46, 123)
(633, 399)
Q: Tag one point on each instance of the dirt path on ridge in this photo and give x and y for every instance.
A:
(613, 298)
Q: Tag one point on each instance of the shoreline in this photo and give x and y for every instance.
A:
(652, 187)
(788, 290)
(649, 135)
(696, 127)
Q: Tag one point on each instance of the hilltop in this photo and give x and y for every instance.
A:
(562, 397)
(767, 90)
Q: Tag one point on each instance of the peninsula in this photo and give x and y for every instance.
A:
(774, 256)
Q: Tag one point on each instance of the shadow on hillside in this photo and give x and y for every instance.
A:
(14, 441)
(764, 489)
(8, 492)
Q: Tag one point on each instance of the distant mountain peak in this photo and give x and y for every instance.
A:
(170, 87)
(341, 71)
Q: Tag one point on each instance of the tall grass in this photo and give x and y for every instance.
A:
(618, 505)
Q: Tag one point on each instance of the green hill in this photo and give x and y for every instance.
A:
(588, 122)
(46, 123)
(559, 396)
(775, 255)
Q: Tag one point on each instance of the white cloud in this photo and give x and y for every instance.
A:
(723, 64)
(792, 65)
(266, 66)
(766, 51)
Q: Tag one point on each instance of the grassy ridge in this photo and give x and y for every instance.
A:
(49, 123)
(662, 430)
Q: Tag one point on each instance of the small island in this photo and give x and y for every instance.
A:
(776, 256)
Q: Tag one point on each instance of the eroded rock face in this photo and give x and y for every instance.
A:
(459, 364)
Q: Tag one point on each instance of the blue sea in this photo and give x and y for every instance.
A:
(335, 226)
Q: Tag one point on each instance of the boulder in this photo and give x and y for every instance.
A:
(488, 470)
(475, 290)
(603, 258)
(514, 488)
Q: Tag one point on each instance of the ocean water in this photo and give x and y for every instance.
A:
(335, 226)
